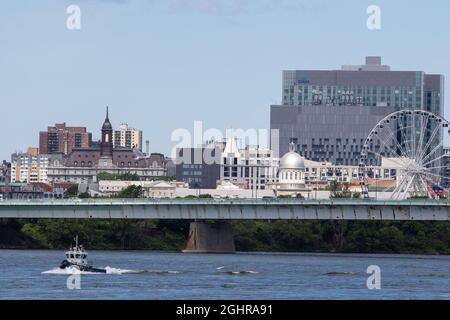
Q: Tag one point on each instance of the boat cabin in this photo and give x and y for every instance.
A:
(77, 254)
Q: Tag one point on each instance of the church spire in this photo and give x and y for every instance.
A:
(107, 133)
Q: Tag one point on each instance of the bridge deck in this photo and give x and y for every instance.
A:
(337, 201)
(207, 209)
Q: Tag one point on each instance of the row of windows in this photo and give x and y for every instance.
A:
(291, 86)
(291, 175)
(343, 95)
(192, 173)
(192, 166)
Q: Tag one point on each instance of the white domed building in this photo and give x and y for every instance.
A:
(291, 175)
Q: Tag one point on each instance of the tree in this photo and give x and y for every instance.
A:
(105, 176)
(127, 176)
(84, 195)
(166, 178)
(72, 191)
(131, 192)
(357, 195)
(334, 189)
(340, 190)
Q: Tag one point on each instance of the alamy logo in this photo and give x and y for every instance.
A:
(374, 280)
(73, 22)
(248, 137)
(374, 20)
(74, 282)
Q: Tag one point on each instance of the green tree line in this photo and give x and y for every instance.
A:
(279, 236)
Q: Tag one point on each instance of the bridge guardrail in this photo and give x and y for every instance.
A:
(145, 201)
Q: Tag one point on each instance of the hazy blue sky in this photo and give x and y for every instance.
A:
(161, 64)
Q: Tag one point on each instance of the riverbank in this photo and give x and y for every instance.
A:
(250, 236)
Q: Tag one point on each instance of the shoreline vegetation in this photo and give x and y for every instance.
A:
(400, 237)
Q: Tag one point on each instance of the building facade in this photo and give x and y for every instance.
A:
(127, 137)
(322, 173)
(252, 167)
(32, 168)
(371, 84)
(199, 167)
(21, 191)
(329, 113)
(150, 189)
(321, 133)
(78, 174)
(83, 165)
(63, 139)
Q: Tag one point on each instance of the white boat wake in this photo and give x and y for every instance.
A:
(74, 270)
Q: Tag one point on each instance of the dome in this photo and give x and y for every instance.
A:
(292, 160)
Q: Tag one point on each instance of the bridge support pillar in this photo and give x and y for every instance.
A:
(210, 238)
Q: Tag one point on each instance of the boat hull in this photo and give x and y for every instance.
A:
(66, 264)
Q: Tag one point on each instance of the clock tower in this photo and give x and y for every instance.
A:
(107, 143)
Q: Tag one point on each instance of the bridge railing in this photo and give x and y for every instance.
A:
(151, 201)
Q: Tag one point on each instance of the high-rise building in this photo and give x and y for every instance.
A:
(127, 137)
(63, 139)
(372, 84)
(31, 167)
(328, 114)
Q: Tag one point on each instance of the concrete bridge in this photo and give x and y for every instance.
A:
(418, 210)
(217, 238)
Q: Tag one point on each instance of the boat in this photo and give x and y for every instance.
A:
(76, 258)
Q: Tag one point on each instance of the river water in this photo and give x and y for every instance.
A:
(160, 275)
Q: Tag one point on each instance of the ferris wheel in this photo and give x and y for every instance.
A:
(403, 156)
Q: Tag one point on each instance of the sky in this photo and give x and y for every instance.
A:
(160, 65)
